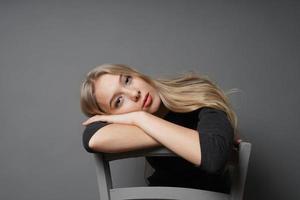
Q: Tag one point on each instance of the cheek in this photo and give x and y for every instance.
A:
(129, 105)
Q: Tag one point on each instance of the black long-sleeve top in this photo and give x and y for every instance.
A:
(216, 141)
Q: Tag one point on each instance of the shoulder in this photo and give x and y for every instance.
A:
(214, 119)
(89, 131)
(210, 110)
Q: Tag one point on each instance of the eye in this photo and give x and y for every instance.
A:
(127, 78)
(117, 103)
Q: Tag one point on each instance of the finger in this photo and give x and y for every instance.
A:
(91, 120)
(238, 141)
(86, 122)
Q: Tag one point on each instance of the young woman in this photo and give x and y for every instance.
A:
(188, 114)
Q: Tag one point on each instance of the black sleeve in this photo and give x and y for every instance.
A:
(216, 139)
(89, 131)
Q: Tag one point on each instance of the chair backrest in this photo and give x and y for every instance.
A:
(238, 168)
(239, 171)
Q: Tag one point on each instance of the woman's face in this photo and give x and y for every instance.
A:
(118, 94)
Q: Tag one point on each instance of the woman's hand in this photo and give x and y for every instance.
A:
(237, 140)
(126, 118)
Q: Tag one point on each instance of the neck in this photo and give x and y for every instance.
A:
(162, 111)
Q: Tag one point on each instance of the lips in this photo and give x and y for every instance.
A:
(145, 99)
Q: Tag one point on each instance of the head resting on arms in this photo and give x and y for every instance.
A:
(119, 88)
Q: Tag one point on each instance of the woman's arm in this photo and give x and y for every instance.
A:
(117, 138)
(207, 147)
(183, 141)
(146, 131)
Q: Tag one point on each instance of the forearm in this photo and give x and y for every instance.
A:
(181, 140)
(117, 138)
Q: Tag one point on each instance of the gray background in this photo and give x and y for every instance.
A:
(48, 46)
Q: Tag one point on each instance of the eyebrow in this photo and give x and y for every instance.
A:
(120, 78)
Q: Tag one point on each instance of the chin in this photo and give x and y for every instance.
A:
(154, 107)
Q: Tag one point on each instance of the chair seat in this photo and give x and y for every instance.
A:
(154, 192)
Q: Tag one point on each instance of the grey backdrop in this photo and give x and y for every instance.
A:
(48, 46)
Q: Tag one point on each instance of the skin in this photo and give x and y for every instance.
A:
(127, 97)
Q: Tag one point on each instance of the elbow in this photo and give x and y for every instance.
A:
(91, 144)
(198, 162)
(99, 144)
(94, 147)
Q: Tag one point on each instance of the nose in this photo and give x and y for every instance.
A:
(133, 94)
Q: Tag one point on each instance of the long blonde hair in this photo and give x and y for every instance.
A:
(183, 93)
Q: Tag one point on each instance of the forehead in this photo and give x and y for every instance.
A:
(105, 85)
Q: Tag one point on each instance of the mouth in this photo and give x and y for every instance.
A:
(145, 99)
